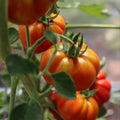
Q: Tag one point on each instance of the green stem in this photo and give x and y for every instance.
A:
(66, 39)
(49, 63)
(45, 92)
(94, 26)
(4, 41)
(14, 82)
(29, 84)
(27, 36)
(36, 44)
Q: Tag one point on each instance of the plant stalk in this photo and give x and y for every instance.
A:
(14, 82)
(36, 44)
(92, 26)
(27, 36)
(4, 41)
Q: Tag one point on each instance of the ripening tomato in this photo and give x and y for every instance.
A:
(82, 69)
(79, 109)
(36, 31)
(27, 11)
(104, 87)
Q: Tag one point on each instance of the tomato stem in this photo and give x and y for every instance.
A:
(102, 62)
(14, 82)
(45, 71)
(67, 39)
(4, 41)
(45, 92)
(28, 36)
(30, 85)
(94, 26)
(75, 48)
(88, 93)
(36, 44)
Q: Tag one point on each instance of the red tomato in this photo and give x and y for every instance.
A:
(55, 115)
(82, 69)
(104, 87)
(27, 11)
(37, 29)
(79, 109)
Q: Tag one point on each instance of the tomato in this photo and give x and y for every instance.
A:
(54, 113)
(36, 31)
(104, 87)
(27, 11)
(82, 69)
(79, 109)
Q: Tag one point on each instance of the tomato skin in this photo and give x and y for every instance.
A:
(104, 87)
(27, 11)
(79, 109)
(36, 31)
(81, 69)
(55, 115)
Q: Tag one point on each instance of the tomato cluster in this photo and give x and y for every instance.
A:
(78, 61)
(83, 107)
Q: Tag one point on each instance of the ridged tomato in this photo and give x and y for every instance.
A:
(82, 69)
(79, 109)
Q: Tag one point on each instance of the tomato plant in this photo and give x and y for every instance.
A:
(27, 11)
(103, 86)
(79, 109)
(36, 31)
(68, 65)
(75, 67)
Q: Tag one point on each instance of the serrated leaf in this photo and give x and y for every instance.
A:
(13, 35)
(17, 65)
(64, 85)
(50, 36)
(34, 111)
(18, 113)
(94, 10)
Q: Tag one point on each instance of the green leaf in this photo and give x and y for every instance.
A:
(64, 85)
(34, 111)
(18, 113)
(13, 35)
(94, 10)
(50, 36)
(102, 111)
(27, 111)
(17, 65)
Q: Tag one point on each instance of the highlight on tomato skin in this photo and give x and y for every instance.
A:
(104, 89)
(27, 11)
(36, 31)
(79, 109)
(82, 69)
